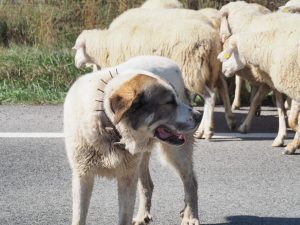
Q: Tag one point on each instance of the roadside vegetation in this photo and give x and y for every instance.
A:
(36, 37)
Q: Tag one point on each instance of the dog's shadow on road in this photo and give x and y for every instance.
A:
(255, 220)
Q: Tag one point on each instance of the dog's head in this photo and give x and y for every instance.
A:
(145, 106)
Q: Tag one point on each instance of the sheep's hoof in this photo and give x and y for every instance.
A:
(208, 135)
(232, 123)
(235, 107)
(243, 129)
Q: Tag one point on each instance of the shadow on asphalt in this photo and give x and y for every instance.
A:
(255, 220)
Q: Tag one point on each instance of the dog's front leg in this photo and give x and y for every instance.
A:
(82, 186)
(145, 188)
(182, 161)
(127, 192)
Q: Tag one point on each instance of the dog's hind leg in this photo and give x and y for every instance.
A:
(145, 188)
(181, 158)
(82, 186)
(126, 192)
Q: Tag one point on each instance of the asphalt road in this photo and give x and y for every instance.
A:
(242, 181)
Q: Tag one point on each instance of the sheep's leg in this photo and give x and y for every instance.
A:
(282, 133)
(82, 187)
(254, 90)
(236, 104)
(294, 119)
(223, 91)
(260, 94)
(200, 131)
(181, 159)
(126, 193)
(205, 129)
(294, 113)
(145, 187)
(288, 103)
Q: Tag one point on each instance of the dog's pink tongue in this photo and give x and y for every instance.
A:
(163, 133)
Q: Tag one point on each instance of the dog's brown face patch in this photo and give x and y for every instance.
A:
(129, 92)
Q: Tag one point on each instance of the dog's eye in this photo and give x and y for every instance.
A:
(172, 101)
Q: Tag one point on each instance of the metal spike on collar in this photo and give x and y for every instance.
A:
(111, 74)
(103, 81)
(119, 145)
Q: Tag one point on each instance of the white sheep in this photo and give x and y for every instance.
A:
(234, 17)
(292, 6)
(159, 4)
(238, 17)
(277, 64)
(186, 36)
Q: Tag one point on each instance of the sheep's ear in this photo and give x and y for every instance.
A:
(226, 54)
(232, 43)
(224, 27)
(120, 103)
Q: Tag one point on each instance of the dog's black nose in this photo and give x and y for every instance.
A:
(197, 116)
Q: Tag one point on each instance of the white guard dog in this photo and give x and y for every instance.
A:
(113, 118)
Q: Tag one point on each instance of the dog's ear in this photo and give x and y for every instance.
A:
(120, 103)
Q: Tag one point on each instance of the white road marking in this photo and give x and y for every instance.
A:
(248, 135)
(216, 136)
(31, 135)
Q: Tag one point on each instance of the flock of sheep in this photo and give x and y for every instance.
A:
(242, 39)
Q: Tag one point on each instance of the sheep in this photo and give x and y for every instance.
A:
(276, 65)
(292, 6)
(237, 17)
(159, 4)
(192, 42)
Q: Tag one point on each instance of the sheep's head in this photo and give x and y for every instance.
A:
(81, 57)
(230, 58)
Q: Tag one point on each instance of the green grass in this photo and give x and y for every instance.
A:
(36, 75)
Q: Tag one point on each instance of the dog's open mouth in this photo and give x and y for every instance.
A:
(165, 134)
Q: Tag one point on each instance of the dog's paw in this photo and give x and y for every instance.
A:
(289, 149)
(142, 220)
(190, 221)
(278, 142)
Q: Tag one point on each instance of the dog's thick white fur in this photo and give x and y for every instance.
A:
(140, 105)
